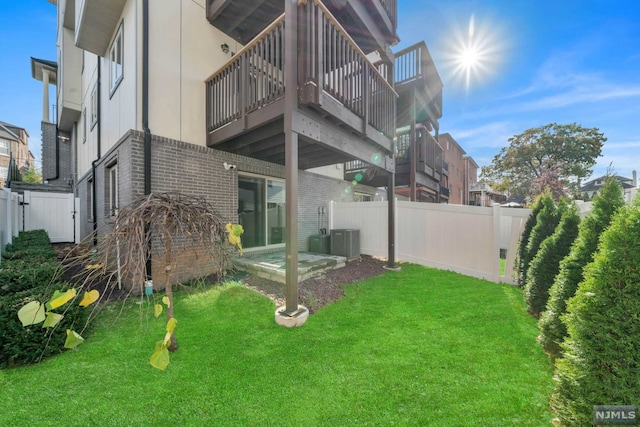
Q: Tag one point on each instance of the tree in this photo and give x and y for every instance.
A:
(32, 175)
(544, 266)
(524, 239)
(552, 329)
(601, 361)
(546, 223)
(552, 155)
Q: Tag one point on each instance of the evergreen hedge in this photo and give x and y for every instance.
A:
(30, 272)
(552, 329)
(524, 240)
(546, 223)
(544, 266)
(601, 362)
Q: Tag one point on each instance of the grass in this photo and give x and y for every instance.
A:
(419, 347)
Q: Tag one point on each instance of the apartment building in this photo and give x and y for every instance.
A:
(232, 101)
(462, 170)
(14, 151)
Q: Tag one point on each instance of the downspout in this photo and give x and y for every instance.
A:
(145, 114)
(94, 203)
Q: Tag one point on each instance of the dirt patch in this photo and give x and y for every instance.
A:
(319, 291)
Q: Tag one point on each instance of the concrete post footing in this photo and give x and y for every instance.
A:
(292, 320)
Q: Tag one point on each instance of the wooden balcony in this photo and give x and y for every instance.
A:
(346, 108)
(419, 87)
(371, 23)
(429, 164)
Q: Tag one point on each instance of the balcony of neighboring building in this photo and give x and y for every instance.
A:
(419, 87)
(427, 167)
(371, 23)
(346, 107)
(69, 89)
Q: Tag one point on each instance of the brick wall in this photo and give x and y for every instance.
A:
(64, 156)
(199, 171)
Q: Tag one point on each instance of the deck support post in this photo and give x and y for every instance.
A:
(391, 221)
(291, 314)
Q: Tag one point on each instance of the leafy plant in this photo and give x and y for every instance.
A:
(601, 362)
(552, 328)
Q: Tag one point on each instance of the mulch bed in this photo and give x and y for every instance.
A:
(319, 291)
(315, 292)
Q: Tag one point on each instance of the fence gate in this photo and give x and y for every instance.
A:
(53, 212)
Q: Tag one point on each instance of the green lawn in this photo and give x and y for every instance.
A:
(420, 347)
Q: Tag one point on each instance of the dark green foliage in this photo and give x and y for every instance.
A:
(524, 239)
(29, 272)
(544, 266)
(21, 345)
(34, 246)
(601, 362)
(552, 329)
(546, 223)
(20, 275)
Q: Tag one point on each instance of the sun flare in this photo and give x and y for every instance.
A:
(473, 53)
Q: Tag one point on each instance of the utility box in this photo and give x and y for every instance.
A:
(320, 244)
(346, 243)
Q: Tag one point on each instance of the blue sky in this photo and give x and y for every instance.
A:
(539, 62)
(560, 61)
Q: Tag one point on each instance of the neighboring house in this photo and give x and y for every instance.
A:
(418, 156)
(481, 194)
(461, 171)
(592, 187)
(14, 146)
(167, 95)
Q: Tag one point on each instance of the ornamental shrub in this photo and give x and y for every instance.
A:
(546, 223)
(552, 329)
(524, 239)
(20, 275)
(601, 361)
(21, 345)
(544, 266)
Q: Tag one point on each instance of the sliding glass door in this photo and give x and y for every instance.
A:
(261, 210)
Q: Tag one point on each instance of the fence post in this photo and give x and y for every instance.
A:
(495, 246)
(331, 213)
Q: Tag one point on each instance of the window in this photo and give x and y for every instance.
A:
(4, 172)
(84, 125)
(361, 197)
(5, 147)
(90, 200)
(115, 60)
(261, 210)
(94, 106)
(112, 189)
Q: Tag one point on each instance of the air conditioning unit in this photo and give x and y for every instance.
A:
(320, 244)
(346, 243)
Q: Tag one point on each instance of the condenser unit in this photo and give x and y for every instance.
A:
(346, 243)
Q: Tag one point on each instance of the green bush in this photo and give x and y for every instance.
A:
(21, 275)
(544, 266)
(32, 245)
(552, 328)
(524, 240)
(601, 362)
(21, 345)
(546, 223)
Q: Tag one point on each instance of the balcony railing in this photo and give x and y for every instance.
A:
(330, 62)
(414, 64)
(391, 7)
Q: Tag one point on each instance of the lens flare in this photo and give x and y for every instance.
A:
(474, 54)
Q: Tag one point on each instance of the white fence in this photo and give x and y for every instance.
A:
(464, 239)
(53, 212)
(9, 222)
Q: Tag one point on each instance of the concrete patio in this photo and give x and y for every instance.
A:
(272, 265)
